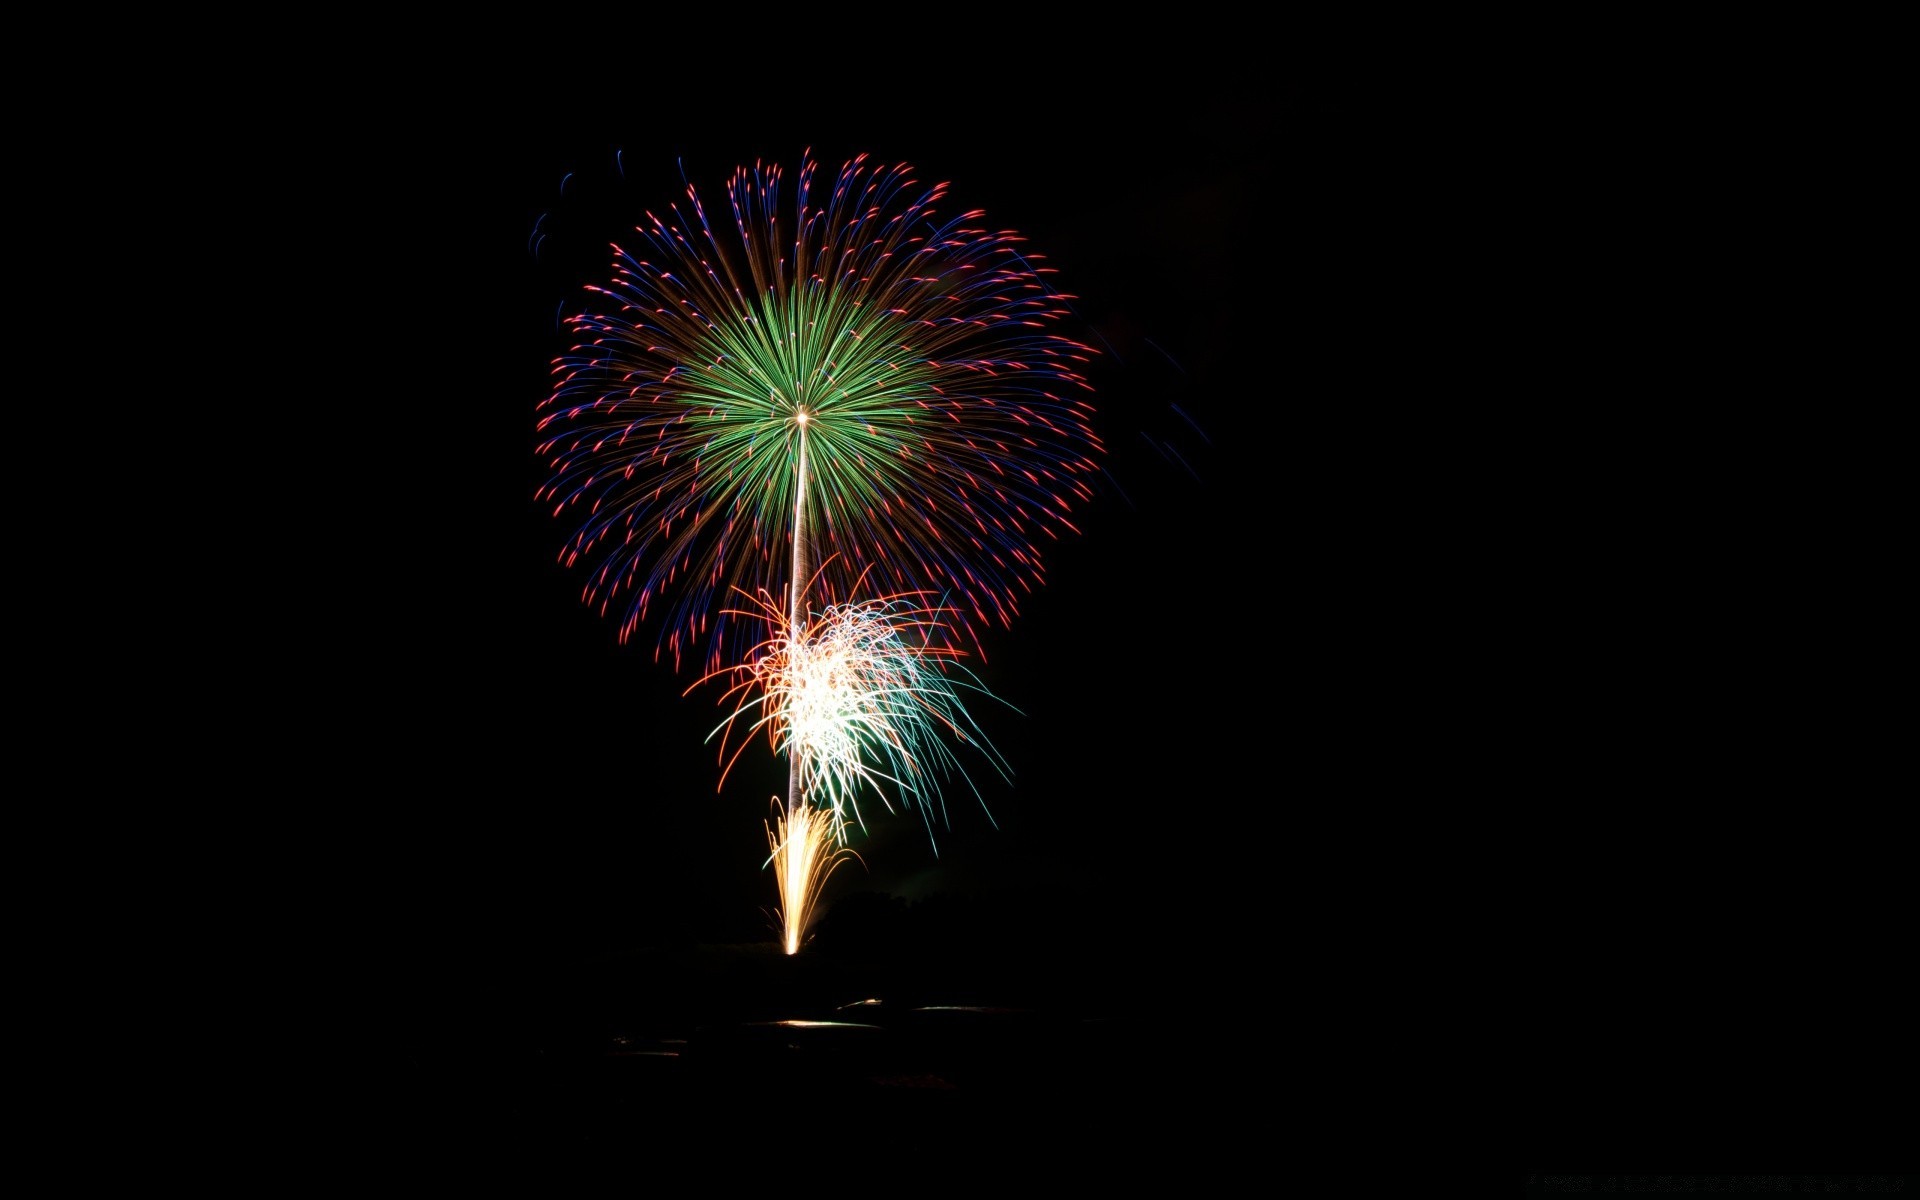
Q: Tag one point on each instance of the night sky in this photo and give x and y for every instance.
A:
(560, 793)
(1363, 606)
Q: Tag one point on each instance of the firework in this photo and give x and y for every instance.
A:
(857, 378)
(862, 699)
(804, 855)
(857, 369)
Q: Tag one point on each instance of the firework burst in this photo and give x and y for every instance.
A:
(862, 699)
(857, 368)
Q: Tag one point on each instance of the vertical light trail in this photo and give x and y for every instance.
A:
(795, 863)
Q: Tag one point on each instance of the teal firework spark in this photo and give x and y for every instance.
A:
(946, 426)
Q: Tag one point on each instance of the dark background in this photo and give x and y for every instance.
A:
(1217, 644)
(1209, 687)
(1387, 744)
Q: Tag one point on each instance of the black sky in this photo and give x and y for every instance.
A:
(1393, 604)
(1226, 241)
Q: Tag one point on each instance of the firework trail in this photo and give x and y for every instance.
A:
(903, 355)
(804, 854)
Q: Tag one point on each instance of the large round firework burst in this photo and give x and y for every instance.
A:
(892, 368)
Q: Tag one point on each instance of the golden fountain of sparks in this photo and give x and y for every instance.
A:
(804, 855)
